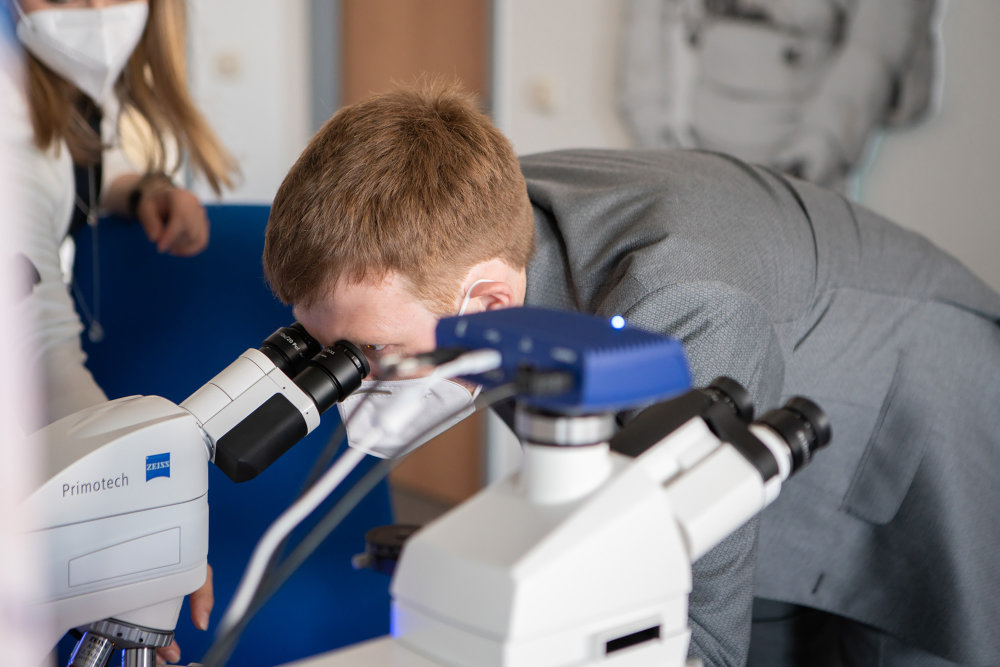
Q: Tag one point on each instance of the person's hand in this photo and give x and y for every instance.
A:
(173, 219)
(201, 602)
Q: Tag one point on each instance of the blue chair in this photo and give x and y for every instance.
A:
(170, 324)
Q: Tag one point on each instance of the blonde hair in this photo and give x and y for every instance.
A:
(152, 89)
(416, 181)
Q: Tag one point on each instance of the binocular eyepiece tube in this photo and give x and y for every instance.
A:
(327, 375)
(269, 418)
(333, 374)
(793, 432)
(799, 425)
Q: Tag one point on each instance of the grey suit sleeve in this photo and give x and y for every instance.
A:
(724, 332)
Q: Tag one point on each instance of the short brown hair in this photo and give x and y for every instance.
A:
(416, 181)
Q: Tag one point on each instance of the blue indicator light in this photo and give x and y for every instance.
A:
(618, 322)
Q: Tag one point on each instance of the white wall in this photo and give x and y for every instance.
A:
(249, 72)
(557, 67)
(943, 177)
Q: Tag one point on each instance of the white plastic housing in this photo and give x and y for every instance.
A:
(242, 387)
(123, 513)
(511, 578)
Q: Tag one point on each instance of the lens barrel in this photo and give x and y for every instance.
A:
(276, 424)
(333, 374)
(290, 348)
(803, 425)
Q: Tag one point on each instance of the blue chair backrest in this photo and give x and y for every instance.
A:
(170, 324)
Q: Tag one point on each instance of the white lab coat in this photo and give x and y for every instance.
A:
(43, 190)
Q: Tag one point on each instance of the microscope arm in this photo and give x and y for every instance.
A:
(121, 523)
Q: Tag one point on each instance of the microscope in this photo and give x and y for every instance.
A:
(582, 558)
(122, 516)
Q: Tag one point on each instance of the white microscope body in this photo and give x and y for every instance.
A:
(122, 518)
(582, 558)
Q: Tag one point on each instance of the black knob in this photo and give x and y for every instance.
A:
(383, 546)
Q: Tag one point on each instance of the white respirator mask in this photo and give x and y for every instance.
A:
(87, 47)
(391, 417)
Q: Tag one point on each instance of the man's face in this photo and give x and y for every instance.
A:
(380, 316)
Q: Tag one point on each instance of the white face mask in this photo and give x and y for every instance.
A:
(87, 47)
(397, 415)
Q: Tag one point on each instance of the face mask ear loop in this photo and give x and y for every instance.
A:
(468, 294)
(22, 17)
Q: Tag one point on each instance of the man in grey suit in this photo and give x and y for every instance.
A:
(410, 204)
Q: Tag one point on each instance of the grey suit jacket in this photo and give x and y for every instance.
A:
(791, 289)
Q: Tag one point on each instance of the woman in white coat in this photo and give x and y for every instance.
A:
(91, 69)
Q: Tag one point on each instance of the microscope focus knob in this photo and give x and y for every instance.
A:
(383, 546)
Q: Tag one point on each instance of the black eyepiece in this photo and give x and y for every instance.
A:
(290, 348)
(333, 374)
(731, 393)
(803, 425)
(265, 434)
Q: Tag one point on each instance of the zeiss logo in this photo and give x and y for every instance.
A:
(157, 465)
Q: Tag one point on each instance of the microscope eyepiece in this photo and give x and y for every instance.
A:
(290, 348)
(802, 425)
(326, 376)
(333, 374)
(729, 392)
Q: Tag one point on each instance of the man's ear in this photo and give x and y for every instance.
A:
(492, 295)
